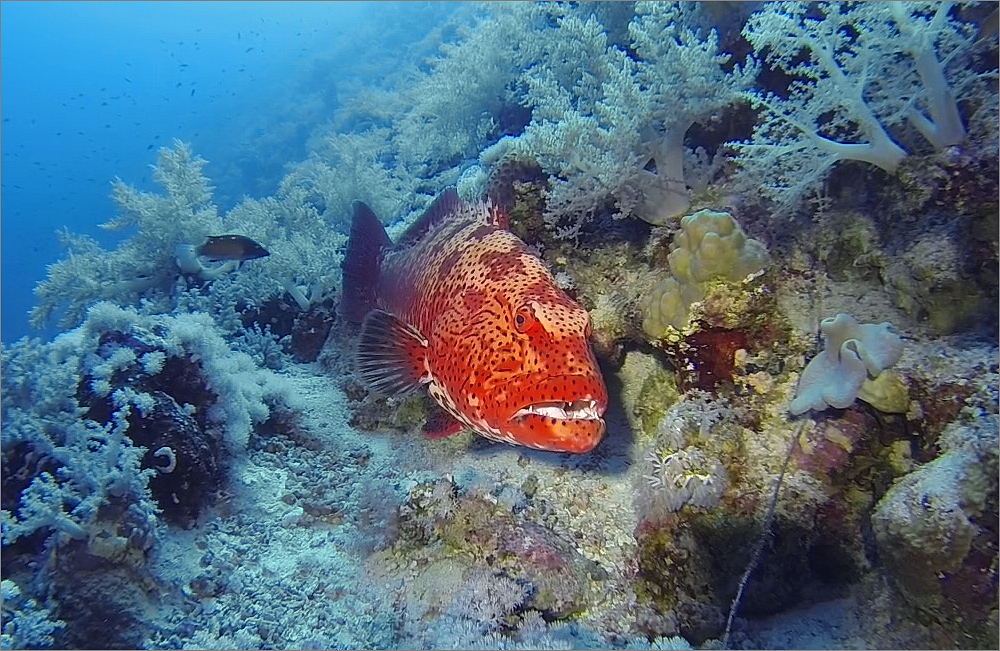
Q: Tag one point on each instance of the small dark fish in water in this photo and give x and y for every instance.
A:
(231, 247)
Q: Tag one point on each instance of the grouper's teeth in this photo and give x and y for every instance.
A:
(578, 409)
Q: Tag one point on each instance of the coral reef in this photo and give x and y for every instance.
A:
(195, 456)
(130, 426)
(838, 105)
(127, 400)
(144, 271)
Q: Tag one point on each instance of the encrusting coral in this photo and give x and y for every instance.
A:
(710, 246)
(935, 530)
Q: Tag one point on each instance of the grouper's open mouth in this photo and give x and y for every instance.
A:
(580, 409)
(562, 413)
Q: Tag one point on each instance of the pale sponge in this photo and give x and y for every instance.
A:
(853, 352)
(710, 246)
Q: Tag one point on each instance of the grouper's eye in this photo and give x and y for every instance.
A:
(524, 318)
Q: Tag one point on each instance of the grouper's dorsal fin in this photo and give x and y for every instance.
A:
(446, 203)
(361, 263)
(510, 170)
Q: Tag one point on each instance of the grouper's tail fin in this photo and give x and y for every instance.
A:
(361, 263)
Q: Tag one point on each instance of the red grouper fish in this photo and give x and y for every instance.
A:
(461, 305)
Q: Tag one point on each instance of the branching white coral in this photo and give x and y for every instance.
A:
(867, 78)
(157, 269)
(596, 128)
(143, 263)
(92, 461)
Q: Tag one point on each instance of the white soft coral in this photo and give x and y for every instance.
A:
(871, 82)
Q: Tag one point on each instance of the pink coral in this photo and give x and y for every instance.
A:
(829, 446)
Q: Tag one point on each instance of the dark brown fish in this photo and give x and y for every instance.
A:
(231, 247)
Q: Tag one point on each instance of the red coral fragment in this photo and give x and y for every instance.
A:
(708, 357)
(829, 447)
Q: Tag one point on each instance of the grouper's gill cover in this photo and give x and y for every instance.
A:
(461, 305)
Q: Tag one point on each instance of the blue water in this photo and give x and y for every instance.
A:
(91, 90)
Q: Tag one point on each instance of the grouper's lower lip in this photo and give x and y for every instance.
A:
(580, 409)
(544, 432)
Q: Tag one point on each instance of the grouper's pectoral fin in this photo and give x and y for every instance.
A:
(441, 424)
(392, 356)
